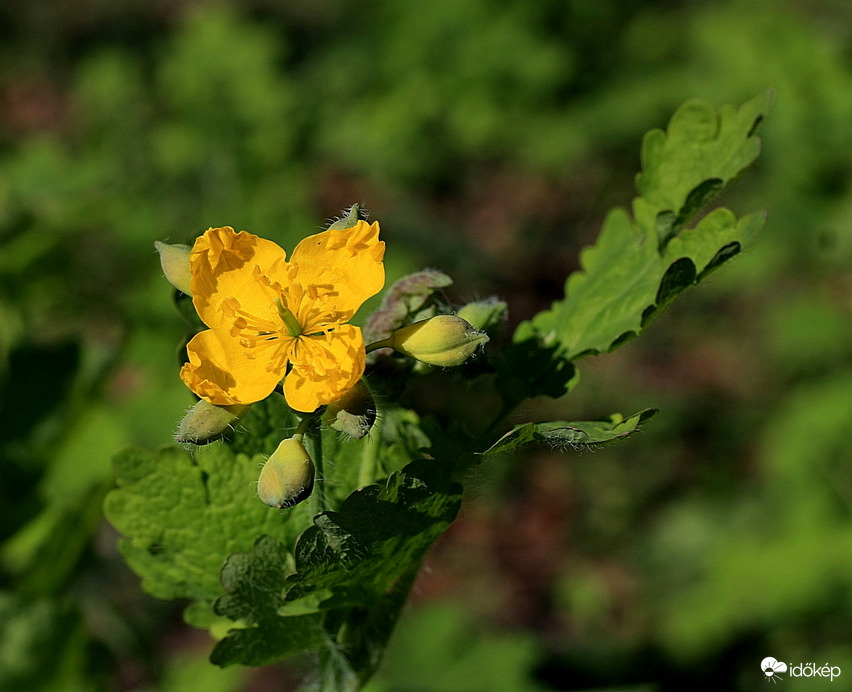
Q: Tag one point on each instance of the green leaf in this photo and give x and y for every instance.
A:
(577, 434)
(181, 518)
(700, 152)
(42, 645)
(354, 568)
(526, 369)
(639, 264)
(379, 534)
(444, 647)
(255, 583)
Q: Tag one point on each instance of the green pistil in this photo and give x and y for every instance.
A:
(289, 319)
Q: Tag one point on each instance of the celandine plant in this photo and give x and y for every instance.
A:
(307, 487)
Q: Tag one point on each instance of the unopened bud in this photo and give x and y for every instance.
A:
(205, 422)
(348, 221)
(175, 262)
(287, 477)
(483, 314)
(354, 413)
(443, 340)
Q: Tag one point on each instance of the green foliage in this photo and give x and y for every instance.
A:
(353, 571)
(471, 658)
(331, 575)
(183, 515)
(255, 584)
(33, 631)
(637, 266)
(488, 138)
(576, 435)
(192, 520)
(809, 529)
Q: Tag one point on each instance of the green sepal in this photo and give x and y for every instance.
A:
(349, 219)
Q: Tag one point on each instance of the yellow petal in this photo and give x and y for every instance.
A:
(228, 266)
(346, 262)
(220, 370)
(324, 368)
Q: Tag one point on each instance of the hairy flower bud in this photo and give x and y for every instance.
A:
(347, 221)
(205, 422)
(354, 413)
(443, 340)
(287, 477)
(483, 314)
(175, 262)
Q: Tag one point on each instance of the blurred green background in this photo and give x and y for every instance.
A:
(489, 138)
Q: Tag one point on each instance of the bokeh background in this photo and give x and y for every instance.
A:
(489, 138)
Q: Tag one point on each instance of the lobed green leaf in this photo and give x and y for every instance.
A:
(353, 571)
(181, 517)
(380, 533)
(641, 263)
(254, 583)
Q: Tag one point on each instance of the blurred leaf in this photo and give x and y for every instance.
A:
(441, 648)
(196, 674)
(42, 555)
(42, 646)
(40, 376)
(575, 435)
(749, 576)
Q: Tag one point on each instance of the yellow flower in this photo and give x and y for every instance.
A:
(271, 319)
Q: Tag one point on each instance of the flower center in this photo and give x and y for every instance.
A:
(289, 319)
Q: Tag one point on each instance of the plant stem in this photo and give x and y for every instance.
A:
(309, 428)
(376, 345)
(370, 454)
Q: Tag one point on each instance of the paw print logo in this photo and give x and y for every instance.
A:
(772, 668)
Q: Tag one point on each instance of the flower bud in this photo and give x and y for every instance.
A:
(348, 221)
(444, 340)
(175, 262)
(205, 422)
(403, 301)
(483, 314)
(354, 413)
(287, 477)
